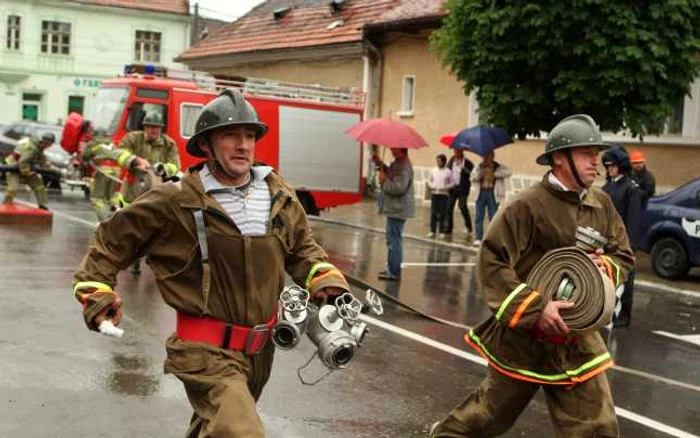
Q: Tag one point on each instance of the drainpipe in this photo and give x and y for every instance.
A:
(371, 81)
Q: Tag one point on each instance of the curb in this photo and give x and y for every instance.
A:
(471, 250)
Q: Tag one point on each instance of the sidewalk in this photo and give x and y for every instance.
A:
(364, 215)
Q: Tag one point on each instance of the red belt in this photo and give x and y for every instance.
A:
(249, 340)
(553, 339)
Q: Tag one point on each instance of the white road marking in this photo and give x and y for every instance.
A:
(403, 265)
(693, 339)
(666, 288)
(624, 413)
(63, 215)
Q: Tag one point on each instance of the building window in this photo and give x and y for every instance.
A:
(147, 47)
(55, 37)
(76, 104)
(408, 95)
(31, 104)
(14, 23)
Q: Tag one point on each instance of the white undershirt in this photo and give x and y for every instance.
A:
(248, 208)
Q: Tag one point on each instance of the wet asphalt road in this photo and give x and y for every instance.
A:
(59, 380)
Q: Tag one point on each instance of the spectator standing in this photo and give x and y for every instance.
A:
(491, 190)
(627, 198)
(397, 204)
(440, 182)
(641, 175)
(461, 169)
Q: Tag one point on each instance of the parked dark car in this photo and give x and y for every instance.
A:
(671, 231)
(12, 133)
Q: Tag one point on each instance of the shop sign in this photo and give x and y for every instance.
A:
(86, 82)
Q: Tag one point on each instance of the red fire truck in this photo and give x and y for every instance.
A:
(306, 141)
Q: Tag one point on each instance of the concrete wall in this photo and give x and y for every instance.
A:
(440, 105)
(672, 165)
(102, 42)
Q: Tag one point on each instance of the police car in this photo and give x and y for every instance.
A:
(671, 231)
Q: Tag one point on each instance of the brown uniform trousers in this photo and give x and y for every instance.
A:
(585, 410)
(222, 386)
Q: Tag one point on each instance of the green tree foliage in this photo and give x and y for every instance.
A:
(625, 62)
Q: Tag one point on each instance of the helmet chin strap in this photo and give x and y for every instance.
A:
(574, 171)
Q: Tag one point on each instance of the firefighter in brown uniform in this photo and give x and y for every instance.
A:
(141, 150)
(219, 243)
(526, 342)
(29, 153)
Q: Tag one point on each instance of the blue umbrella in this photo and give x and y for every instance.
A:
(481, 139)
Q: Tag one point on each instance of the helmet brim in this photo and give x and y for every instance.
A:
(194, 149)
(543, 159)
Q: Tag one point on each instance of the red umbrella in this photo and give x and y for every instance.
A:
(447, 138)
(387, 132)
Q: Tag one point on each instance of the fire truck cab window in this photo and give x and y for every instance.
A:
(150, 93)
(188, 118)
(138, 111)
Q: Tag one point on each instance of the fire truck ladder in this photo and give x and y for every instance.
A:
(346, 96)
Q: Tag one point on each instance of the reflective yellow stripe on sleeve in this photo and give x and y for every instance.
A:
(521, 309)
(507, 301)
(618, 271)
(83, 285)
(314, 269)
(123, 157)
(171, 169)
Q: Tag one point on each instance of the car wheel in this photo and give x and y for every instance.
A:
(669, 259)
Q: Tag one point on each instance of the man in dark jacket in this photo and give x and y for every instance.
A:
(641, 175)
(627, 198)
(461, 169)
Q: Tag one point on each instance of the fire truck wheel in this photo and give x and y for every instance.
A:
(308, 203)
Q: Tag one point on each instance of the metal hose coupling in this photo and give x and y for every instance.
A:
(335, 330)
(570, 274)
(291, 322)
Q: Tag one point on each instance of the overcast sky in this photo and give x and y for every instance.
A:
(227, 10)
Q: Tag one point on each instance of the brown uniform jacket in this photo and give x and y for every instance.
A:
(161, 226)
(541, 218)
(162, 150)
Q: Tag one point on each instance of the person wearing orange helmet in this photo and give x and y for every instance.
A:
(641, 175)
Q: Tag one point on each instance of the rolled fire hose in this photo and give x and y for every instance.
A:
(570, 274)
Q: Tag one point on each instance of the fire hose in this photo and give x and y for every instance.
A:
(570, 274)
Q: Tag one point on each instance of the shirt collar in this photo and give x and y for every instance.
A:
(209, 183)
(557, 183)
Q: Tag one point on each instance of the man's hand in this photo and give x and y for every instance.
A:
(323, 296)
(598, 260)
(381, 176)
(141, 164)
(113, 312)
(550, 322)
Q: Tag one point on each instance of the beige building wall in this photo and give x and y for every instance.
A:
(672, 165)
(331, 72)
(440, 105)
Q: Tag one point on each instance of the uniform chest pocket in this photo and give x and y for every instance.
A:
(283, 231)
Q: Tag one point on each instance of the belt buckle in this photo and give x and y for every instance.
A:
(256, 340)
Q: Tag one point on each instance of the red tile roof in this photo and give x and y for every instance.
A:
(302, 26)
(172, 6)
(412, 9)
